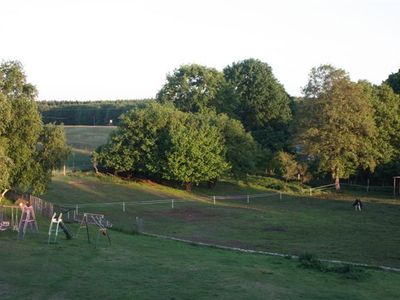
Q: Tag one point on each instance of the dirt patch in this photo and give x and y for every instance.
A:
(189, 214)
(275, 228)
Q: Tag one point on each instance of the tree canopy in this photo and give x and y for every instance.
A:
(394, 81)
(191, 88)
(165, 143)
(28, 151)
(337, 126)
(262, 99)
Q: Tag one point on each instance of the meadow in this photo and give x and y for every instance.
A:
(293, 225)
(83, 140)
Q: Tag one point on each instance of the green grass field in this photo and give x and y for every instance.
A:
(139, 267)
(83, 140)
(293, 225)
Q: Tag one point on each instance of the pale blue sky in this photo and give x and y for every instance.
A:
(117, 49)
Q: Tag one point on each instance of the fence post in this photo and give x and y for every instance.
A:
(123, 206)
(248, 199)
(310, 192)
(214, 199)
(280, 195)
(172, 203)
(76, 209)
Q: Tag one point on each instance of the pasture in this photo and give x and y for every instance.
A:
(83, 140)
(293, 225)
(139, 267)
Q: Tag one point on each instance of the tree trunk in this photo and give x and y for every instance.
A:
(188, 186)
(337, 182)
(3, 194)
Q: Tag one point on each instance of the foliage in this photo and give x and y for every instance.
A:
(394, 81)
(242, 151)
(288, 167)
(337, 125)
(53, 150)
(191, 88)
(160, 141)
(28, 153)
(262, 98)
(196, 152)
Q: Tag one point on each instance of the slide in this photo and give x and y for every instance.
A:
(66, 231)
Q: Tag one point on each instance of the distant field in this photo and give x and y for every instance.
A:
(329, 228)
(83, 140)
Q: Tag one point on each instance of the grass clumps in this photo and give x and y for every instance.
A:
(310, 261)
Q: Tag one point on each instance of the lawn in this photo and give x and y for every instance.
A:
(139, 267)
(328, 228)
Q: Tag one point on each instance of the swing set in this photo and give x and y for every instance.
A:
(9, 217)
(101, 224)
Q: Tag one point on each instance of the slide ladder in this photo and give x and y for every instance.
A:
(57, 225)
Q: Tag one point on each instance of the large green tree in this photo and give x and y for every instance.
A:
(262, 99)
(196, 152)
(337, 127)
(28, 152)
(159, 141)
(192, 88)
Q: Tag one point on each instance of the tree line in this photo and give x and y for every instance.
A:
(206, 123)
(91, 113)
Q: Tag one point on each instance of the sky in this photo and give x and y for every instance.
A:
(121, 49)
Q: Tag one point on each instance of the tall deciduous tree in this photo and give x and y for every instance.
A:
(262, 99)
(191, 88)
(338, 127)
(21, 133)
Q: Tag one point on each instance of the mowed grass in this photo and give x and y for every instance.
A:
(328, 228)
(139, 267)
(83, 140)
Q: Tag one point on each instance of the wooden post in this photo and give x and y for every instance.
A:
(214, 199)
(280, 195)
(172, 203)
(65, 170)
(310, 192)
(76, 208)
(394, 186)
(248, 199)
(123, 206)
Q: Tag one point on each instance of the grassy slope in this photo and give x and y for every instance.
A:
(137, 267)
(83, 140)
(293, 225)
